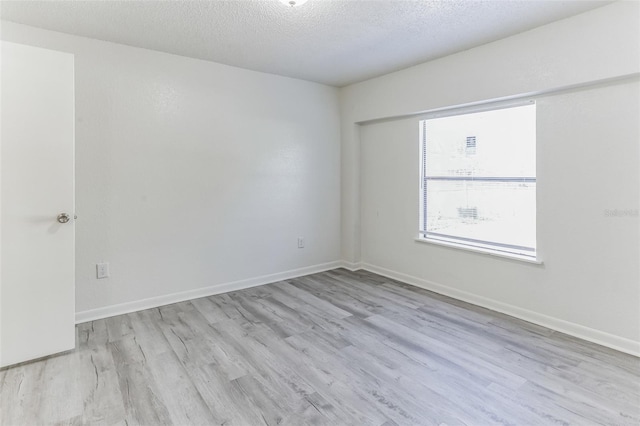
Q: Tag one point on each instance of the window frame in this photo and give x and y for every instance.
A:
(497, 249)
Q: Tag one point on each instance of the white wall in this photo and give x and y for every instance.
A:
(192, 174)
(588, 162)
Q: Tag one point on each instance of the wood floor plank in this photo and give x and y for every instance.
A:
(371, 291)
(364, 397)
(183, 401)
(334, 348)
(309, 299)
(323, 290)
(48, 392)
(264, 363)
(148, 334)
(92, 334)
(98, 383)
(141, 398)
(446, 379)
(318, 374)
(227, 403)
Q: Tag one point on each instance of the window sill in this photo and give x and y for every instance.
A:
(485, 251)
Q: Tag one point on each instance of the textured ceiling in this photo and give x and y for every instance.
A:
(335, 42)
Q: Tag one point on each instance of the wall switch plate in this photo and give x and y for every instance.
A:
(102, 270)
(300, 242)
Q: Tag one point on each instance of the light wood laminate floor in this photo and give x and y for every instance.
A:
(335, 348)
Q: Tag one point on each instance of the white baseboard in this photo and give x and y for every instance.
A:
(596, 336)
(154, 302)
(351, 266)
(612, 341)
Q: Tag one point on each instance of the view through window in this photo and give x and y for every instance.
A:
(478, 183)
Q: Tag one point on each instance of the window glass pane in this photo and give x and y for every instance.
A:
(479, 173)
(497, 212)
(494, 143)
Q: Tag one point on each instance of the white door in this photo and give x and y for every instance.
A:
(37, 272)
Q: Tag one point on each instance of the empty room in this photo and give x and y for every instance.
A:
(320, 212)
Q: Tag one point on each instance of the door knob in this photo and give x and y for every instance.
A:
(63, 218)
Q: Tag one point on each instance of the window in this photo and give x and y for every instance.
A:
(471, 145)
(478, 180)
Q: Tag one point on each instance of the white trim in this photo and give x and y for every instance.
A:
(511, 98)
(471, 109)
(167, 299)
(487, 251)
(592, 335)
(351, 266)
(612, 341)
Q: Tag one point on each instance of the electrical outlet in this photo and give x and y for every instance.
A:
(102, 270)
(300, 242)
